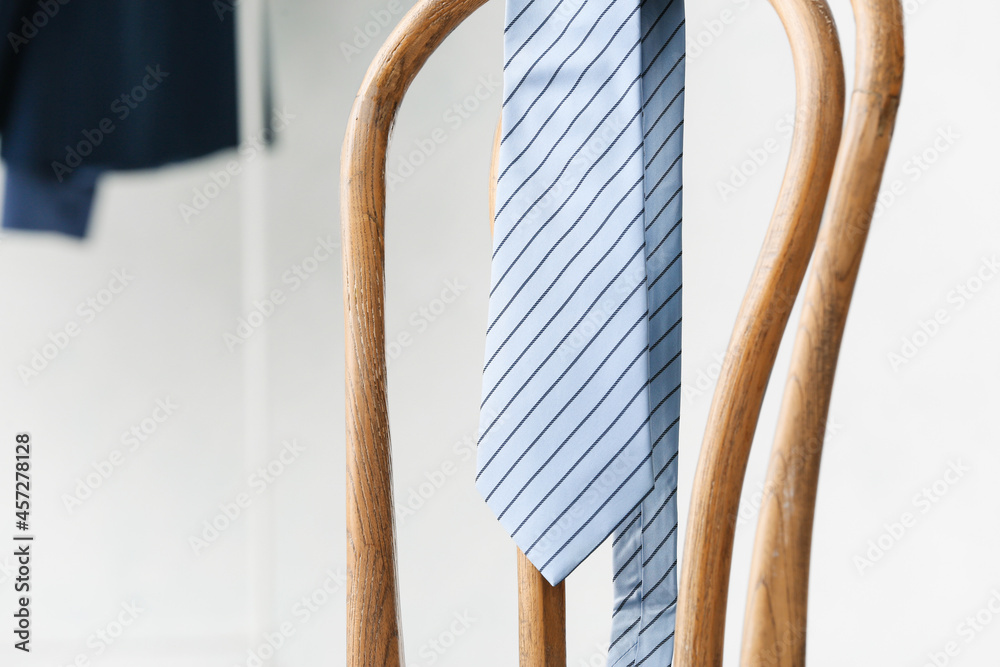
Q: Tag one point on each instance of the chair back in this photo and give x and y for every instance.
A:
(827, 158)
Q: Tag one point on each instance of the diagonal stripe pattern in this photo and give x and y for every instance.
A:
(645, 553)
(581, 382)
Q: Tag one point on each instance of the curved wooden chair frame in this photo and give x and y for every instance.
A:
(776, 607)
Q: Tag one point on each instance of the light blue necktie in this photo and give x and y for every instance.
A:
(581, 384)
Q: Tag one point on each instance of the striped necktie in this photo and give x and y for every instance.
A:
(581, 401)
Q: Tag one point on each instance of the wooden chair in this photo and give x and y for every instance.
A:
(827, 158)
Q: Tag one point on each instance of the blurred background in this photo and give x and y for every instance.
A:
(188, 463)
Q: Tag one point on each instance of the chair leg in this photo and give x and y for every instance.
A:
(541, 617)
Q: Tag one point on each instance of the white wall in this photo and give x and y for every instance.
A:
(897, 430)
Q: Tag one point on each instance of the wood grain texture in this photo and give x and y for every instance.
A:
(541, 607)
(541, 617)
(775, 622)
(373, 638)
(775, 282)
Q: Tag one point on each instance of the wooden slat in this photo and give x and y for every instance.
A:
(775, 622)
(373, 638)
(775, 282)
(541, 617)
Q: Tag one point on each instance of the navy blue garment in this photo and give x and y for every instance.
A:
(108, 85)
(39, 203)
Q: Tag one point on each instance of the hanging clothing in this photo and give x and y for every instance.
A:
(87, 87)
(581, 384)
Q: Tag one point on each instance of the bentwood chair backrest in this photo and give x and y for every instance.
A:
(823, 212)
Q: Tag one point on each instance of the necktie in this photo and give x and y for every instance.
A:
(580, 411)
